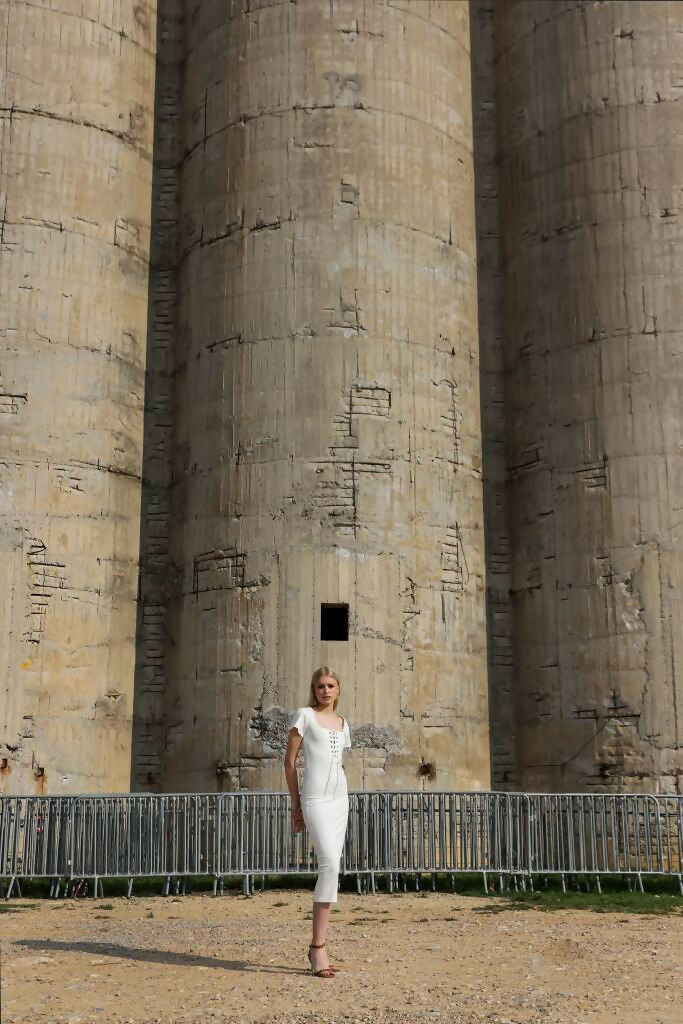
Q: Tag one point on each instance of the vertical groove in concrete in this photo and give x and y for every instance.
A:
(327, 392)
(156, 565)
(591, 154)
(492, 376)
(76, 97)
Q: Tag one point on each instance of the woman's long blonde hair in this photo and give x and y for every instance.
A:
(317, 675)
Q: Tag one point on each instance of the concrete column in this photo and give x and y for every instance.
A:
(77, 92)
(591, 154)
(327, 395)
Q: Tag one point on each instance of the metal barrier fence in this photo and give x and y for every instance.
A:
(514, 836)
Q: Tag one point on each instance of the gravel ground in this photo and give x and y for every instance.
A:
(405, 959)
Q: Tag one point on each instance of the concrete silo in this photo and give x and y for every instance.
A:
(77, 86)
(327, 498)
(589, 123)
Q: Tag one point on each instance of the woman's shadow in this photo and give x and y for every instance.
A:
(155, 956)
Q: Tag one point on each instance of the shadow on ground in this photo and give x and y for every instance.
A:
(154, 956)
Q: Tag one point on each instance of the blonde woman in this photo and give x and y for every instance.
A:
(323, 804)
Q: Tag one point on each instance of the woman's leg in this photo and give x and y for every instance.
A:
(321, 919)
(326, 823)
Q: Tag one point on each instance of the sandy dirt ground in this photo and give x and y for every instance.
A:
(405, 958)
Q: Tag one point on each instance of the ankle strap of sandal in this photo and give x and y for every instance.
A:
(313, 946)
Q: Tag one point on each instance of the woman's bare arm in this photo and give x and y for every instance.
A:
(293, 744)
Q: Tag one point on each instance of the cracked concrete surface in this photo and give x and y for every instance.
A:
(300, 319)
(76, 98)
(589, 101)
(327, 317)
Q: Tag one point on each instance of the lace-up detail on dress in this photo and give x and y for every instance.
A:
(336, 748)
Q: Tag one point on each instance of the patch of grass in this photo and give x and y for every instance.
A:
(423, 884)
(39, 888)
(605, 903)
(661, 894)
(34, 888)
(15, 908)
(500, 908)
(377, 921)
(274, 882)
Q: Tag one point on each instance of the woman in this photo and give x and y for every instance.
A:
(323, 805)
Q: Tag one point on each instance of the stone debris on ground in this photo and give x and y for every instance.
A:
(403, 959)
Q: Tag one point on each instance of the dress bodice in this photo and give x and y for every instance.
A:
(324, 777)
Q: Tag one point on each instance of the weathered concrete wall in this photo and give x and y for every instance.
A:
(591, 154)
(312, 389)
(502, 704)
(77, 88)
(327, 394)
(156, 576)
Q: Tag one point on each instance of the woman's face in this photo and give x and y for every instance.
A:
(326, 691)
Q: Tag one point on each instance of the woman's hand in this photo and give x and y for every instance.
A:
(298, 824)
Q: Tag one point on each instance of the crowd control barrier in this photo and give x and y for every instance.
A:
(514, 838)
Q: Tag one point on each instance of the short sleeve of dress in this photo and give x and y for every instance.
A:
(347, 734)
(299, 721)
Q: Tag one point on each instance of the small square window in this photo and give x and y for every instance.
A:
(334, 622)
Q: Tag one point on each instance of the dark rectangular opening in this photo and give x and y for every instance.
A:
(334, 622)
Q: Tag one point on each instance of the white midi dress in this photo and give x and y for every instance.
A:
(324, 796)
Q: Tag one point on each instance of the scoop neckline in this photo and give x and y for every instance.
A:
(315, 715)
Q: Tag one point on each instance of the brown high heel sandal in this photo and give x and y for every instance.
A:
(324, 972)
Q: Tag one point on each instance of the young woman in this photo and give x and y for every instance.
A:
(323, 805)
